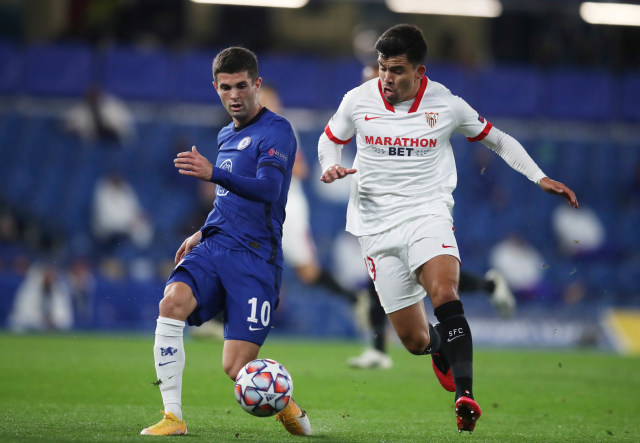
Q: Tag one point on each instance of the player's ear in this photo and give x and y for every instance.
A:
(258, 82)
(421, 70)
(214, 85)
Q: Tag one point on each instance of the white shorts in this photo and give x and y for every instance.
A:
(392, 257)
(298, 247)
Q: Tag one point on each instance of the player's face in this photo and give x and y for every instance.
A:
(239, 95)
(400, 79)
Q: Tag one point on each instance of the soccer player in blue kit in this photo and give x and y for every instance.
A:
(233, 264)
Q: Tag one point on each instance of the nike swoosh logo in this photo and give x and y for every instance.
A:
(449, 340)
(162, 364)
(447, 246)
(367, 118)
(251, 328)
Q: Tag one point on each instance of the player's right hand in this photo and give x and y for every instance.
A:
(336, 172)
(187, 246)
(557, 188)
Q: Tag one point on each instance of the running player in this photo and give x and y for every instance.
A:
(401, 200)
(492, 284)
(233, 264)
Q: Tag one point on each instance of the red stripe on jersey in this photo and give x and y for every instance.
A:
(482, 135)
(416, 103)
(384, 100)
(333, 138)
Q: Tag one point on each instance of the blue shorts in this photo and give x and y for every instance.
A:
(226, 277)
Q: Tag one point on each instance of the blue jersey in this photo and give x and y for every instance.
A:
(267, 140)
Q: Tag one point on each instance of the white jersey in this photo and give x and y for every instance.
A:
(404, 160)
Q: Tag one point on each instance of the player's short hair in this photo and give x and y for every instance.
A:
(403, 40)
(235, 59)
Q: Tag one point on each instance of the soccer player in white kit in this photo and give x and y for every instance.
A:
(401, 200)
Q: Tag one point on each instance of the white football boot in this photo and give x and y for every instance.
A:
(371, 359)
(501, 297)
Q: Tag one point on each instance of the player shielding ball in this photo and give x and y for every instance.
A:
(233, 264)
(401, 200)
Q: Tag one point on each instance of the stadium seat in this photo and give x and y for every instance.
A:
(579, 94)
(134, 74)
(455, 79)
(193, 76)
(509, 92)
(296, 77)
(630, 96)
(11, 68)
(338, 77)
(55, 70)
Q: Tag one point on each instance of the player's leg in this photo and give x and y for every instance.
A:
(252, 287)
(400, 294)
(420, 337)
(470, 282)
(414, 330)
(169, 356)
(193, 293)
(494, 284)
(376, 356)
(501, 296)
(439, 276)
(236, 354)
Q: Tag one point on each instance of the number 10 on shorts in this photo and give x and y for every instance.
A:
(265, 312)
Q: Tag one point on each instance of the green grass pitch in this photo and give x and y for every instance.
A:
(99, 388)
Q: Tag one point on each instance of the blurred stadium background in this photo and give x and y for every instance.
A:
(569, 90)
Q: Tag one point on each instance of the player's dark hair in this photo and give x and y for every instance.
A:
(235, 59)
(403, 40)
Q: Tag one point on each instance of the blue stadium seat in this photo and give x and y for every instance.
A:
(58, 69)
(296, 77)
(455, 79)
(11, 68)
(579, 94)
(509, 91)
(630, 96)
(339, 76)
(193, 76)
(134, 74)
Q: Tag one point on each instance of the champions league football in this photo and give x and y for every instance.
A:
(263, 387)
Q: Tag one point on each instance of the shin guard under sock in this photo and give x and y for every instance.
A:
(457, 345)
(168, 353)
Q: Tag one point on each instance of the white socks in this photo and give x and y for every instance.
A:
(168, 353)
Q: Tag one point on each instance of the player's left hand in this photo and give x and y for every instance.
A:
(193, 163)
(336, 172)
(557, 188)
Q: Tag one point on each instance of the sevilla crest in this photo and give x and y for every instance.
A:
(432, 118)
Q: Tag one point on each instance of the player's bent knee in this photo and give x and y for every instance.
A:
(232, 369)
(415, 344)
(442, 294)
(178, 301)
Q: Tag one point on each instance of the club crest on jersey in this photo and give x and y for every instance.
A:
(227, 166)
(244, 143)
(432, 118)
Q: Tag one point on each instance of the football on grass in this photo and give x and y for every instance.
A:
(263, 387)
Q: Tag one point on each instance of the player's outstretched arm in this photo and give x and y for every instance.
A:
(187, 246)
(193, 163)
(557, 188)
(336, 172)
